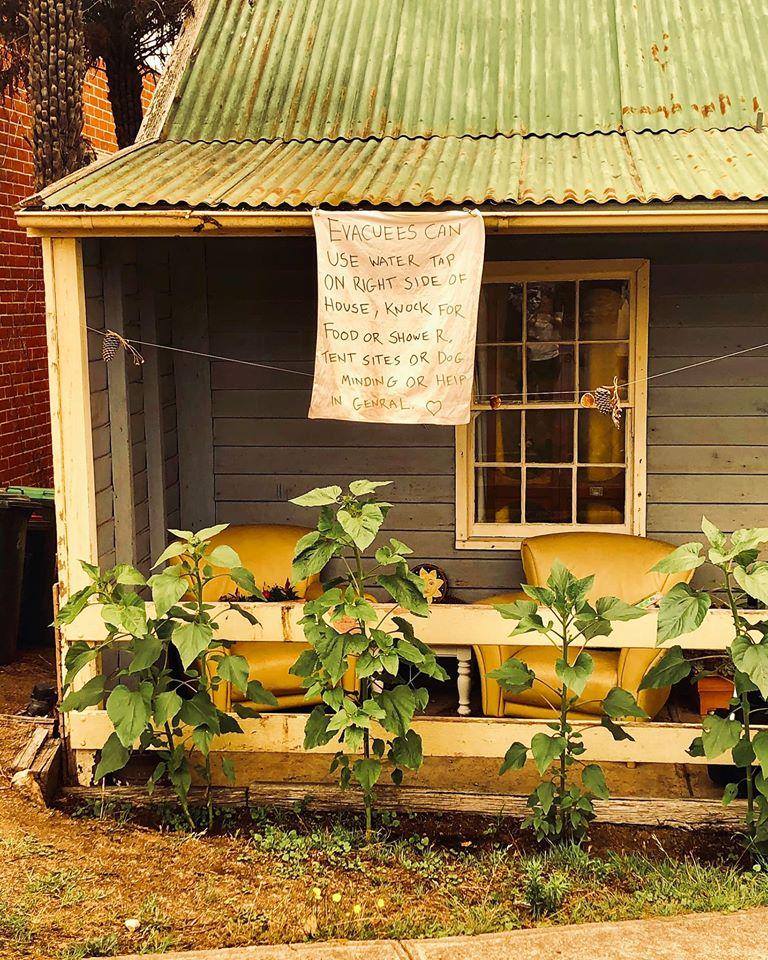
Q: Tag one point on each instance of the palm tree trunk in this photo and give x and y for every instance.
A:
(125, 87)
(56, 72)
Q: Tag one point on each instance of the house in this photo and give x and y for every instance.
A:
(618, 156)
(25, 434)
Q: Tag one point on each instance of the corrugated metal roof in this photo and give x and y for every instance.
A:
(328, 69)
(308, 102)
(604, 167)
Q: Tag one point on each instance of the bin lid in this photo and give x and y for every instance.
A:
(38, 502)
(34, 493)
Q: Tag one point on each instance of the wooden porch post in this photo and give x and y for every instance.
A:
(72, 441)
(70, 410)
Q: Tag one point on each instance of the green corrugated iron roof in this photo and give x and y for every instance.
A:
(326, 69)
(636, 167)
(294, 102)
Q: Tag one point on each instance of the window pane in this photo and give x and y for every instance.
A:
(497, 495)
(548, 495)
(550, 373)
(500, 313)
(599, 440)
(600, 496)
(599, 363)
(497, 436)
(549, 436)
(604, 310)
(498, 370)
(551, 311)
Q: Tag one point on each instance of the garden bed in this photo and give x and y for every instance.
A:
(71, 877)
(72, 881)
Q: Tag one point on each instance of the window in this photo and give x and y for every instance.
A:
(533, 460)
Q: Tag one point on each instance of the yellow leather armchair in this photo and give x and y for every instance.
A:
(267, 551)
(621, 565)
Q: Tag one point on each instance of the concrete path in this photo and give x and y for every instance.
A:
(702, 936)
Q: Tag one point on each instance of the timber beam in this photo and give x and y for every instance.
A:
(326, 798)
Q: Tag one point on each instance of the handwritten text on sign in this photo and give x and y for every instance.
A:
(397, 315)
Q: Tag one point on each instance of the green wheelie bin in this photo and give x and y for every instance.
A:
(27, 568)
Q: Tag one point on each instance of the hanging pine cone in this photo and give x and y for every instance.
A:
(604, 400)
(110, 347)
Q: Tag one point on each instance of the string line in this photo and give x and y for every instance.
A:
(208, 356)
(544, 393)
(653, 376)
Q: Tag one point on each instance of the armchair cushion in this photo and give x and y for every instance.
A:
(621, 563)
(270, 663)
(267, 551)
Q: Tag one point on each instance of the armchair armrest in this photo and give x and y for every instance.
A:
(490, 658)
(634, 663)
(313, 591)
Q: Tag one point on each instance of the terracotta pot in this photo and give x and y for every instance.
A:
(715, 693)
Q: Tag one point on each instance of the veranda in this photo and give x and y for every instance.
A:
(184, 440)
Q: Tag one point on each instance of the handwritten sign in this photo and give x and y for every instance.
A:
(397, 315)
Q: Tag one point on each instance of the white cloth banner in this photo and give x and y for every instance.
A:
(396, 315)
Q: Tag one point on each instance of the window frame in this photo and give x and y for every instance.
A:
(471, 535)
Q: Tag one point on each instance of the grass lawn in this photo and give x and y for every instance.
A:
(70, 883)
(70, 879)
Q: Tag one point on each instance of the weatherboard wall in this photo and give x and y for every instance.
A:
(117, 304)
(238, 444)
(707, 427)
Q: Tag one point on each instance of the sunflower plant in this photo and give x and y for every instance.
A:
(562, 805)
(159, 695)
(370, 717)
(742, 575)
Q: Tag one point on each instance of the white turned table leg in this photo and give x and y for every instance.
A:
(464, 682)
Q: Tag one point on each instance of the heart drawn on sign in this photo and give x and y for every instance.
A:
(434, 406)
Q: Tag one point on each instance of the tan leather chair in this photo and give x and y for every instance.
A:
(621, 565)
(267, 551)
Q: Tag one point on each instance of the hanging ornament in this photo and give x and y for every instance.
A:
(109, 347)
(112, 343)
(606, 401)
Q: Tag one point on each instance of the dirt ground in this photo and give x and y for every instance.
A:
(69, 883)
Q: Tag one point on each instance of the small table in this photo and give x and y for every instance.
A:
(463, 656)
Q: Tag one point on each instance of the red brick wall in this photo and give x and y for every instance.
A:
(25, 433)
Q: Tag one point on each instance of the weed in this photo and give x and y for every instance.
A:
(314, 851)
(99, 808)
(25, 845)
(103, 946)
(15, 926)
(154, 942)
(544, 891)
(388, 819)
(389, 887)
(61, 885)
(419, 856)
(487, 916)
(250, 916)
(153, 934)
(222, 819)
